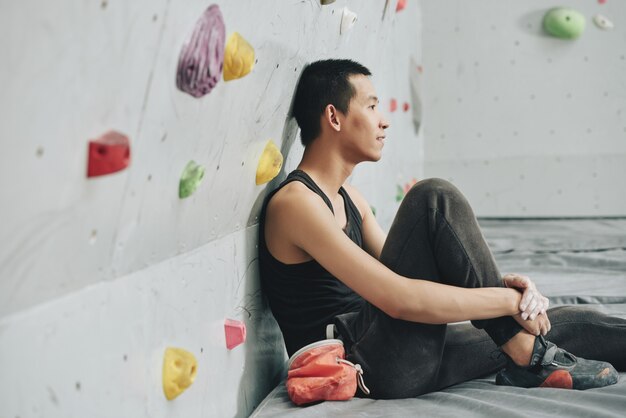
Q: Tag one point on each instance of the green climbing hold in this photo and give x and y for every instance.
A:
(564, 23)
(373, 210)
(190, 180)
(399, 194)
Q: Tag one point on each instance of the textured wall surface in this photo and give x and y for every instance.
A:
(98, 276)
(524, 123)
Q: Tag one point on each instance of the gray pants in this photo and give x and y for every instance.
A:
(435, 236)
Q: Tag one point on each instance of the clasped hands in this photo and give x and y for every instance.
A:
(533, 305)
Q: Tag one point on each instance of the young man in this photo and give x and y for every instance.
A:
(324, 259)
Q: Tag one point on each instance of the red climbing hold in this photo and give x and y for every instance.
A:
(108, 154)
(405, 107)
(401, 5)
(393, 105)
(235, 333)
(601, 1)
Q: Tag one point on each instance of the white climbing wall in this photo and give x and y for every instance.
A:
(524, 123)
(99, 276)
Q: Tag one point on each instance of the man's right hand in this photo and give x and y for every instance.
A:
(538, 326)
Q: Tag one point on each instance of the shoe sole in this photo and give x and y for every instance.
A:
(558, 379)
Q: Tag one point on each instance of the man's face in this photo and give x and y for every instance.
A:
(364, 126)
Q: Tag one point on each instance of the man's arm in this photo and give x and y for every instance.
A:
(373, 235)
(308, 224)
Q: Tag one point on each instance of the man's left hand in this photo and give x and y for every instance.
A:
(533, 302)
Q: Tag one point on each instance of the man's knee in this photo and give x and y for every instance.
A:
(434, 187)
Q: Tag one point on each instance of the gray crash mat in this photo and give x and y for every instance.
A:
(572, 262)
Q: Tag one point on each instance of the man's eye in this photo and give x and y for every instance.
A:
(373, 106)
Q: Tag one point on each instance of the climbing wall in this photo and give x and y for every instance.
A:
(524, 122)
(138, 141)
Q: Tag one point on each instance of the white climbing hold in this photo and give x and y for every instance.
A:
(602, 22)
(348, 20)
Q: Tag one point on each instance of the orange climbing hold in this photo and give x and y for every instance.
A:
(235, 333)
(108, 154)
(179, 371)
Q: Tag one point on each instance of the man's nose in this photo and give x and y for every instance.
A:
(384, 123)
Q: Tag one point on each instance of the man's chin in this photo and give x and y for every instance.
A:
(375, 158)
(371, 158)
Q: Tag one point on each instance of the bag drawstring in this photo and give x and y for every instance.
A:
(359, 374)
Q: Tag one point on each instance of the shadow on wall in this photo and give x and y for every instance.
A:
(265, 355)
(532, 23)
(288, 138)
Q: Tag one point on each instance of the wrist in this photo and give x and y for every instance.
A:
(515, 298)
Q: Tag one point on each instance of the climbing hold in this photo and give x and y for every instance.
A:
(602, 22)
(409, 184)
(401, 5)
(405, 107)
(564, 23)
(238, 57)
(202, 56)
(325, 2)
(393, 105)
(399, 193)
(190, 180)
(270, 163)
(108, 154)
(373, 210)
(348, 18)
(601, 1)
(179, 371)
(235, 333)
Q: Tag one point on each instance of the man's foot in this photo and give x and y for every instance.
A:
(551, 366)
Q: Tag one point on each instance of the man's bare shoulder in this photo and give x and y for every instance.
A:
(291, 197)
(295, 215)
(293, 205)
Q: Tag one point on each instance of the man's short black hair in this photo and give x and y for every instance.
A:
(323, 83)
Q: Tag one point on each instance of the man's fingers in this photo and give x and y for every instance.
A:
(543, 305)
(532, 310)
(527, 297)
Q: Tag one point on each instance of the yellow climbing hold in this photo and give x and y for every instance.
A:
(270, 163)
(179, 371)
(238, 57)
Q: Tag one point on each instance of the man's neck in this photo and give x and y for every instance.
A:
(327, 169)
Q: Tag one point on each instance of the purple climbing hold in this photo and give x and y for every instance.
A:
(202, 57)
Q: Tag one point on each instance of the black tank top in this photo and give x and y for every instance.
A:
(305, 297)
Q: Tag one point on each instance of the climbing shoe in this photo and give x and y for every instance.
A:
(553, 367)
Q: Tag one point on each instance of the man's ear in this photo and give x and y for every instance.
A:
(332, 117)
